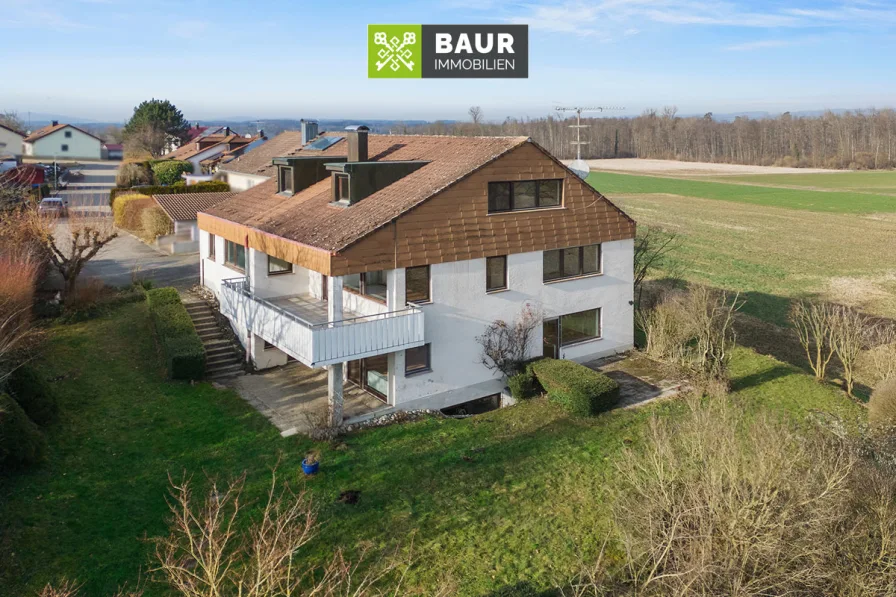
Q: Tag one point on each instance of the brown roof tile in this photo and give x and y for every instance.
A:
(258, 160)
(190, 149)
(52, 128)
(184, 206)
(308, 217)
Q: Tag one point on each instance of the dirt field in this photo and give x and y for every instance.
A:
(676, 168)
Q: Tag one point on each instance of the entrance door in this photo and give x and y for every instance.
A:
(372, 375)
(551, 331)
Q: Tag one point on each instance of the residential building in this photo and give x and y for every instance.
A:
(210, 146)
(11, 142)
(182, 208)
(383, 258)
(256, 165)
(63, 142)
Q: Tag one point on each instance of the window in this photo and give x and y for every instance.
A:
(369, 284)
(286, 180)
(416, 360)
(524, 194)
(579, 327)
(235, 255)
(211, 246)
(341, 187)
(278, 266)
(496, 273)
(416, 281)
(68, 134)
(64, 147)
(573, 262)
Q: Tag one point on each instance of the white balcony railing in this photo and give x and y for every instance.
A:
(319, 344)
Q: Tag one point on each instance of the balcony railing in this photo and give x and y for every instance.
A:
(321, 343)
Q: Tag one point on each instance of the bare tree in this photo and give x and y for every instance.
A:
(506, 345)
(652, 248)
(814, 324)
(850, 334)
(476, 115)
(10, 119)
(75, 243)
(147, 139)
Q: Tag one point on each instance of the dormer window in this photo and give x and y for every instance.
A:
(286, 180)
(341, 183)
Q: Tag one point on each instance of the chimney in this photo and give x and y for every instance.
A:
(309, 131)
(260, 133)
(357, 142)
(55, 122)
(226, 131)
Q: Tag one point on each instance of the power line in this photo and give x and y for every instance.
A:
(578, 125)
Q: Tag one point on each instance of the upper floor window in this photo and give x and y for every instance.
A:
(286, 181)
(235, 255)
(369, 284)
(524, 194)
(416, 282)
(572, 262)
(496, 273)
(68, 134)
(278, 266)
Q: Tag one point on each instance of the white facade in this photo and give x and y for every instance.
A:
(10, 142)
(460, 309)
(239, 181)
(66, 143)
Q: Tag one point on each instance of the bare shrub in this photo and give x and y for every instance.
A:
(18, 278)
(86, 294)
(814, 323)
(506, 345)
(666, 330)
(882, 406)
(850, 334)
(155, 222)
(652, 249)
(880, 359)
(133, 174)
(76, 243)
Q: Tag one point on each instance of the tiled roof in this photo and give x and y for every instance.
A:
(184, 206)
(52, 128)
(189, 149)
(308, 218)
(258, 160)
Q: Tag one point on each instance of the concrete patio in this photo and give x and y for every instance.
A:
(640, 379)
(294, 397)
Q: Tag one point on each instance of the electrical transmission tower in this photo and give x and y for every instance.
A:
(579, 126)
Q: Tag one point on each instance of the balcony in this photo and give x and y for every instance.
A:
(298, 325)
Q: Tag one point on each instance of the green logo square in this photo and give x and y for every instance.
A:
(394, 52)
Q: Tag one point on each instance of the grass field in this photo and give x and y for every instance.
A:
(772, 244)
(528, 505)
(873, 181)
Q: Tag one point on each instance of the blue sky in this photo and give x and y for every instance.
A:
(263, 59)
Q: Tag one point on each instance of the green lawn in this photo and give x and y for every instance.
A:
(882, 181)
(531, 500)
(610, 183)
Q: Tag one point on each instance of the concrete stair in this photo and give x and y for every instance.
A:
(222, 360)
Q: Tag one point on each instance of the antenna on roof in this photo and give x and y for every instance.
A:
(580, 166)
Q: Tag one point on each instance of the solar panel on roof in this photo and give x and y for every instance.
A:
(322, 143)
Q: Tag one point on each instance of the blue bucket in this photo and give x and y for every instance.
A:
(310, 469)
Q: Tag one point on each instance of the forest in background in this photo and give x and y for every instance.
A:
(853, 139)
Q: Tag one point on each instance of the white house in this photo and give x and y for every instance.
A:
(63, 142)
(211, 146)
(255, 165)
(11, 142)
(383, 258)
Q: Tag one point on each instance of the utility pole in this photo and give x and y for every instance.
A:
(579, 166)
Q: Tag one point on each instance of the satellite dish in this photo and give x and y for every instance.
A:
(580, 168)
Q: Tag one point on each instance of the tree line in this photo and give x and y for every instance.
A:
(863, 139)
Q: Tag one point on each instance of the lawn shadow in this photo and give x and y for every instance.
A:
(760, 377)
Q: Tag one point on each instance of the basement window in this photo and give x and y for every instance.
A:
(524, 194)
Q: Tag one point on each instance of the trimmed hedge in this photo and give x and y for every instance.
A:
(33, 394)
(580, 390)
(211, 186)
(155, 222)
(181, 346)
(523, 385)
(21, 442)
(168, 171)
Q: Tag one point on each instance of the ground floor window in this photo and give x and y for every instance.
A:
(235, 255)
(211, 247)
(371, 374)
(570, 329)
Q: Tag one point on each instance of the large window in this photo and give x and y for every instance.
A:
(278, 266)
(369, 284)
(286, 180)
(524, 194)
(416, 360)
(416, 281)
(571, 263)
(235, 255)
(570, 329)
(211, 246)
(496, 273)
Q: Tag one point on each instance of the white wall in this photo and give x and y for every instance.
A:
(243, 182)
(10, 143)
(461, 310)
(80, 146)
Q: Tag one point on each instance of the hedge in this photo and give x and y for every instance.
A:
(211, 186)
(168, 171)
(21, 442)
(155, 222)
(127, 210)
(33, 394)
(523, 385)
(580, 390)
(180, 344)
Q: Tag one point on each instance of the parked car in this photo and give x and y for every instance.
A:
(52, 206)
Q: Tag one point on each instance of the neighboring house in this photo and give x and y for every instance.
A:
(11, 142)
(63, 142)
(383, 259)
(210, 146)
(255, 166)
(113, 151)
(211, 164)
(193, 133)
(181, 208)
